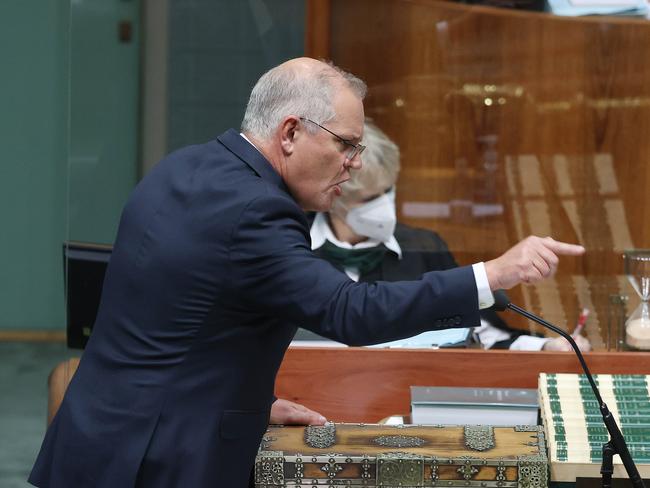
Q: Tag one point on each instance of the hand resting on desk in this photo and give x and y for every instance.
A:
(289, 413)
(560, 344)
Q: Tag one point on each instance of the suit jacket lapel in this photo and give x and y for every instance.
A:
(245, 151)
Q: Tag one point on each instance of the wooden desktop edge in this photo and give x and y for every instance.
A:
(366, 385)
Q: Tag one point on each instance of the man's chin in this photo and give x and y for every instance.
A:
(322, 204)
(328, 201)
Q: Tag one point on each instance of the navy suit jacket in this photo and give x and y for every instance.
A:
(210, 271)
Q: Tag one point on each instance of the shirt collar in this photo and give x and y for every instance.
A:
(321, 231)
(248, 140)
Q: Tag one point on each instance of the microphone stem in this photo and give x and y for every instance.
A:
(564, 334)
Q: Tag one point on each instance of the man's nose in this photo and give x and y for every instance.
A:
(354, 163)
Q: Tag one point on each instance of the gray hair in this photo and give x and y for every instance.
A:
(381, 161)
(282, 91)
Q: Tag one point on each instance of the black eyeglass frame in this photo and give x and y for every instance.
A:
(355, 149)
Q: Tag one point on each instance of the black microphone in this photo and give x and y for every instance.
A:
(616, 444)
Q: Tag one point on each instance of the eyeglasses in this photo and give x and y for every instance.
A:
(355, 149)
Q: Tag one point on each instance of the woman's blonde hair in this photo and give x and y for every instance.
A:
(381, 162)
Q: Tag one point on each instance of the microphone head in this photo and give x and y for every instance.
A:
(501, 300)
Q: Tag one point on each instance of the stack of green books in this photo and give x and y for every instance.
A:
(574, 425)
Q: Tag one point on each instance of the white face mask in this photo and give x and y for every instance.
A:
(376, 218)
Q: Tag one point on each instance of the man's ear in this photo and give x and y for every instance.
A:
(290, 132)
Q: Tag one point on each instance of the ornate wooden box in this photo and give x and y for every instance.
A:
(372, 455)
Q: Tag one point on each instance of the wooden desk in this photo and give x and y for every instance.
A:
(366, 385)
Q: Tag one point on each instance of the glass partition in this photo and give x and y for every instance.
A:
(512, 123)
(147, 77)
(33, 170)
(104, 92)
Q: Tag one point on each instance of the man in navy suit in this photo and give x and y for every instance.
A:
(210, 273)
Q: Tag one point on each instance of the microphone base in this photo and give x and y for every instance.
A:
(592, 482)
(607, 466)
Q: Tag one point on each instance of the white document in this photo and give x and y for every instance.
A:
(432, 338)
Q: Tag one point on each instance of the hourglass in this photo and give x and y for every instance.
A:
(637, 326)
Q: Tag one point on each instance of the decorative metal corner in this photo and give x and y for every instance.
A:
(332, 468)
(467, 470)
(399, 441)
(400, 469)
(269, 469)
(320, 436)
(479, 437)
(533, 472)
(266, 442)
(527, 428)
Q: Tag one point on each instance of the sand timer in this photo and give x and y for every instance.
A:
(637, 326)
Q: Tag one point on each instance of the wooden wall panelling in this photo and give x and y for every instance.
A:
(317, 28)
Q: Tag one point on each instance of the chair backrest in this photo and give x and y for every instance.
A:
(57, 384)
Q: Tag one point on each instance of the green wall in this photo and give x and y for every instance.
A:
(69, 142)
(69, 122)
(217, 51)
(33, 161)
(104, 101)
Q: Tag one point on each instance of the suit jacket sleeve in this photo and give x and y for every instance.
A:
(442, 258)
(274, 271)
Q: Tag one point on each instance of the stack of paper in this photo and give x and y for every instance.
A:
(599, 7)
(574, 425)
(432, 339)
(464, 406)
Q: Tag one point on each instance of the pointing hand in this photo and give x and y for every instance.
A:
(529, 261)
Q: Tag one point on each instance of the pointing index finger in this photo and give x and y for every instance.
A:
(564, 248)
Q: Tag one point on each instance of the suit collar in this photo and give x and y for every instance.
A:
(249, 154)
